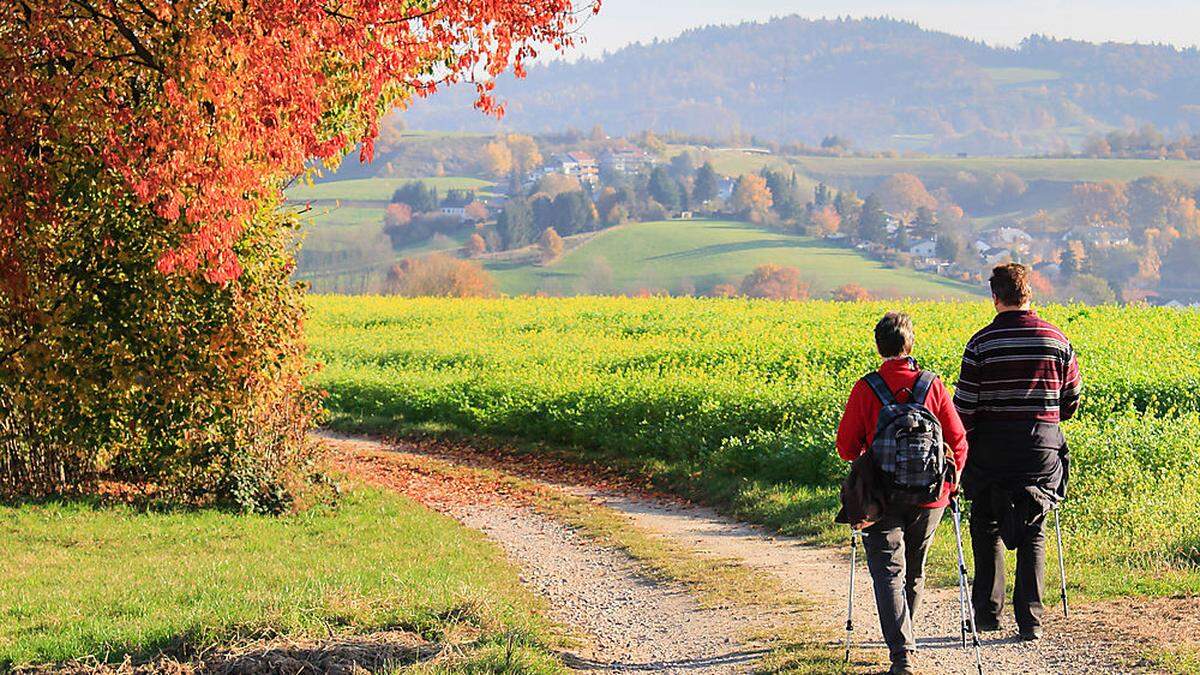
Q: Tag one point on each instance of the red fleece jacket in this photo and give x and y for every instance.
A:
(857, 430)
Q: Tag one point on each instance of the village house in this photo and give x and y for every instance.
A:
(1007, 236)
(578, 164)
(457, 206)
(997, 255)
(626, 158)
(924, 249)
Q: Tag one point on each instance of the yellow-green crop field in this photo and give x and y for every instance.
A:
(737, 401)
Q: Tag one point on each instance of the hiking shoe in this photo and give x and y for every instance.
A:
(1031, 634)
(984, 626)
(903, 665)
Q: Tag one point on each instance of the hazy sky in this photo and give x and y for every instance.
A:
(1175, 21)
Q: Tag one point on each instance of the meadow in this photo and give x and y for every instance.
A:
(85, 580)
(736, 402)
(694, 255)
(835, 169)
(380, 189)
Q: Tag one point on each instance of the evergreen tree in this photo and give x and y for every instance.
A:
(515, 224)
(785, 193)
(1074, 262)
(418, 196)
(925, 222)
(664, 190)
(685, 197)
(683, 165)
(545, 215)
(573, 213)
(820, 195)
(706, 184)
(872, 223)
(950, 246)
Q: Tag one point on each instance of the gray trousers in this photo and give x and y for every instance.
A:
(896, 548)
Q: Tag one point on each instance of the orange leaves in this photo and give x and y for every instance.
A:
(206, 108)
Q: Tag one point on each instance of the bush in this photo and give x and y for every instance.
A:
(440, 276)
(775, 282)
(851, 293)
(189, 387)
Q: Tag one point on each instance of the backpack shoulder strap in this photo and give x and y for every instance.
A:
(923, 385)
(885, 395)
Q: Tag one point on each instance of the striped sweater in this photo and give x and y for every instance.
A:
(1019, 368)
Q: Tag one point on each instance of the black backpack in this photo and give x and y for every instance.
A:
(907, 448)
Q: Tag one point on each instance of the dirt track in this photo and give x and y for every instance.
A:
(629, 622)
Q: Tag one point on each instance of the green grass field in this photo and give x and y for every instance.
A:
(379, 189)
(1067, 170)
(671, 254)
(736, 402)
(81, 580)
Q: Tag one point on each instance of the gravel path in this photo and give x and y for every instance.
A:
(627, 622)
(821, 575)
(622, 620)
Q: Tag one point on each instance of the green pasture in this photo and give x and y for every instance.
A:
(677, 254)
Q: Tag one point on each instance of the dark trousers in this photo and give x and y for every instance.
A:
(896, 548)
(1029, 584)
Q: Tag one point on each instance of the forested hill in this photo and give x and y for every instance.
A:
(880, 82)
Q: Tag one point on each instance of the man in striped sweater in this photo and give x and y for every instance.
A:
(1019, 379)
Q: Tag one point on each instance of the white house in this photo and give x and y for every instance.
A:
(924, 249)
(626, 158)
(459, 212)
(1007, 236)
(578, 164)
(457, 207)
(995, 256)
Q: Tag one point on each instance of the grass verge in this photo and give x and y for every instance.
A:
(84, 581)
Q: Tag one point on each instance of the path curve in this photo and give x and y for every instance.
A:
(633, 623)
(623, 620)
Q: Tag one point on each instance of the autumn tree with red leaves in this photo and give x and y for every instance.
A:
(775, 282)
(147, 326)
(851, 293)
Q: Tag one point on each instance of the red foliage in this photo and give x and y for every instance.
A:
(775, 282)
(723, 291)
(851, 293)
(1042, 287)
(206, 108)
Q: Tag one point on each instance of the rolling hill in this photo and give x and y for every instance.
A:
(379, 189)
(880, 82)
(682, 255)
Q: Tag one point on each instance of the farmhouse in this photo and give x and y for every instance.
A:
(1007, 236)
(626, 158)
(995, 256)
(457, 206)
(924, 249)
(578, 164)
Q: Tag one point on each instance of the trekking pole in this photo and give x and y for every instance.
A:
(965, 604)
(854, 535)
(1062, 564)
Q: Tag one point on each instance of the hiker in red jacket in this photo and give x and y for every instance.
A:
(897, 544)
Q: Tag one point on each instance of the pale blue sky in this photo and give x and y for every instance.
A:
(998, 22)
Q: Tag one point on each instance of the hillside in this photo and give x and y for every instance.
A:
(879, 82)
(379, 189)
(679, 256)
